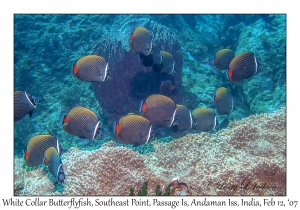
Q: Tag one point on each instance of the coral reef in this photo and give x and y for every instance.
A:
(132, 82)
(248, 158)
(45, 47)
(117, 170)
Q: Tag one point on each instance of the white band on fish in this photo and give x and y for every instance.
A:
(96, 129)
(29, 99)
(149, 134)
(191, 119)
(173, 117)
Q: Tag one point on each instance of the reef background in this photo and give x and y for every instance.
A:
(45, 47)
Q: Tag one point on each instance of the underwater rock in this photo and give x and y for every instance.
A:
(266, 91)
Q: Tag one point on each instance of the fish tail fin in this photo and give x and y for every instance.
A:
(61, 150)
(217, 122)
(30, 113)
(194, 122)
(174, 128)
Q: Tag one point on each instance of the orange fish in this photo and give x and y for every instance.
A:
(223, 101)
(242, 66)
(159, 110)
(36, 146)
(55, 166)
(168, 64)
(204, 119)
(91, 68)
(141, 41)
(223, 58)
(82, 122)
(133, 129)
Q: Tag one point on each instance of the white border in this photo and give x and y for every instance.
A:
(8, 8)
